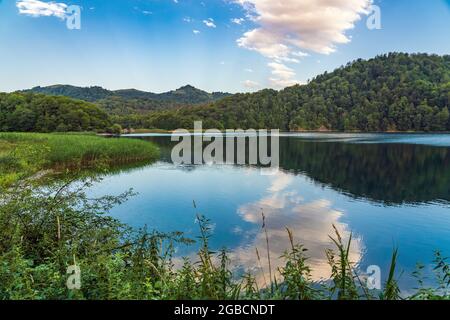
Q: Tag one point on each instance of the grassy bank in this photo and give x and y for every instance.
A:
(47, 229)
(24, 154)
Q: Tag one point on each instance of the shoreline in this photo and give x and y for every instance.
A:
(161, 131)
(27, 155)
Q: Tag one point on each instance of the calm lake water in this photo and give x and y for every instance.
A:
(390, 190)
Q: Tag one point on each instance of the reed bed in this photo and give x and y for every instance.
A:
(24, 154)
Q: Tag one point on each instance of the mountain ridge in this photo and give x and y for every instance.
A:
(391, 92)
(187, 94)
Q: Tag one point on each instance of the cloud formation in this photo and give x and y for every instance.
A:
(311, 223)
(250, 84)
(209, 23)
(237, 20)
(37, 8)
(315, 25)
(286, 28)
(282, 75)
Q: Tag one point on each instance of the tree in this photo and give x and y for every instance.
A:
(40, 113)
(116, 129)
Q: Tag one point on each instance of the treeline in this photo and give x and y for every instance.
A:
(393, 92)
(26, 112)
(186, 95)
(119, 106)
(90, 94)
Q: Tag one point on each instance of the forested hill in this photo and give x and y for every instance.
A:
(29, 112)
(394, 92)
(184, 95)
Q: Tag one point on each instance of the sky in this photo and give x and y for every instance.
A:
(214, 45)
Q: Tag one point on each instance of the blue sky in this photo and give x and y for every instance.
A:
(215, 45)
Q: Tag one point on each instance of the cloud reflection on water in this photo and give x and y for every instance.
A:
(310, 222)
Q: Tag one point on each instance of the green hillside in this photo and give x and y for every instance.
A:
(132, 100)
(28, 112)
(394, 92)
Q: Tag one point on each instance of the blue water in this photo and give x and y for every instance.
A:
(388, 190)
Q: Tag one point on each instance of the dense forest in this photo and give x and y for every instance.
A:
(394, 92)
(118, 106)
(28, 112)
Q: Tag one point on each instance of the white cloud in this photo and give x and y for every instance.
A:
(209, 23)
(280, 182)
(280, 70)
(237, 20)
(283, 76)
(257, 41)
(288, 27)
(282, 83)
(300, 54)
(310, 221)
(196, 31)
(249, 84)
(37, 8)
(315, 25)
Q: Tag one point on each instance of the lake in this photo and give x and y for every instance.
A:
(388, 190)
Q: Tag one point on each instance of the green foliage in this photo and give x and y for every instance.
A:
(344, 284)
(442, 273)
(394, 92)
(25, 112)
(47, 228)
(90, 94)
(297, 273)
(25, 154)
(392, 290)
(123, 107)
(116, 129)
(131, 101)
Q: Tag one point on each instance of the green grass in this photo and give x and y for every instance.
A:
(24, 154)
(49, 228)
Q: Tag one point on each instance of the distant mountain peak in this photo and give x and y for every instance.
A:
(187, 94)
(188, 86)
(189, 89)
